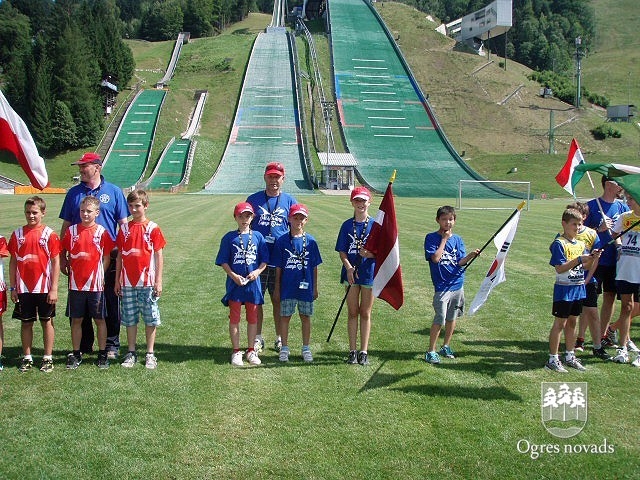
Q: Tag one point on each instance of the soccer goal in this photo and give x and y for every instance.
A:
(491, 194)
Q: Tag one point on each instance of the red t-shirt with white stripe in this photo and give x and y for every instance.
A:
(33, 249)
(137, 242)
(87, 247)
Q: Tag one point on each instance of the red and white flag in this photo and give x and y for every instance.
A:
(564, 176)
(495, 275)
(383, 243)
(16, 138)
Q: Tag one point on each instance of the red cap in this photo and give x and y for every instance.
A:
(241, 208)
(89, 158)
(361, 192)
(274, 168)
(299, 208)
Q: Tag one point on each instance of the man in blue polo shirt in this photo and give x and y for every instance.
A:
(113, 211)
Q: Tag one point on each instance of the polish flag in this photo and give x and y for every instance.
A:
(15, 138)
(383, 243)
(564, 176)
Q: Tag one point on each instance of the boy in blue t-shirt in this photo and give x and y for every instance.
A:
(243, 255)
(570, 261)
(446, 254)
(296, 257)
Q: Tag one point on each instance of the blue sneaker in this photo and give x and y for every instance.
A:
(432, 357)
(447, 352)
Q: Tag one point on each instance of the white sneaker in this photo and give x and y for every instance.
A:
(636, 362)
(258, 344)
(632, 347)
(284, 354)
(622, 356)
(150, 361)
(252, 358)
(236, 358)
(306, 356)
(277, 344)
(573, 362)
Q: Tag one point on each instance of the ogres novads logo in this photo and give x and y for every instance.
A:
(564, 407)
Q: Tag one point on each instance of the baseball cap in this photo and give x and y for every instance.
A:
(274, 168)
(241, 208)
(299, 208)
(89, 158)
(361, 192)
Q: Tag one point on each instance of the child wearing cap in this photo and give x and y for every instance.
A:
(357, 273)
(243, 255)
(296, 257)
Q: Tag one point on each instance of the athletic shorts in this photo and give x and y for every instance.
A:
(606, 276)
(623, 287)
(448, 306)
(592, 295)
(137, 302)
(3, 301)
(81, 304)
(565, 309)
(34, 306)
(288, 307)
(268, 280)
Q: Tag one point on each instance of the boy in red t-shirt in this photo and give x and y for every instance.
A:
(4, 252)
(139, 276)
(84, 246)
(34, 270)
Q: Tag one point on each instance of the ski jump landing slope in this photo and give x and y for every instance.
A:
(266, 126)
(387, 122)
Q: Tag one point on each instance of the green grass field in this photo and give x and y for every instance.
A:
(197, 417)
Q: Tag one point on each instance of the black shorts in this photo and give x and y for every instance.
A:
(606, 276)
(81, 304)
(592, 295)
(564, 309)
(268, 280)
(33, 306)
(623, 287)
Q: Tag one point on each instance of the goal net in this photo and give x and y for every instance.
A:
(491, 194)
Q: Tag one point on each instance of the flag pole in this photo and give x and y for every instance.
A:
(518, 208)
(597, 197)
(635, 224)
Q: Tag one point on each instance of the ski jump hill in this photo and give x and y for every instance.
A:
(387, 122)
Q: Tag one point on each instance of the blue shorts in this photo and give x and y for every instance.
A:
(447, 306)
(136, 302)
(34, 306)
(81, 304)
(288, 307)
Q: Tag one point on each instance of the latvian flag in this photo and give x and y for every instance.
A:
(16, 138)
(564, 176)
(383, 243)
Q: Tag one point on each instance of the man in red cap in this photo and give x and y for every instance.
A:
(113, 211)
(271, 207)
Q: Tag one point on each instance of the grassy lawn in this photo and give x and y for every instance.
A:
(198, 417)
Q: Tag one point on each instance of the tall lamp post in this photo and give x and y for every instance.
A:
(579, 55)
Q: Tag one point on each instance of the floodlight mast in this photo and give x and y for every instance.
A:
(579, 55)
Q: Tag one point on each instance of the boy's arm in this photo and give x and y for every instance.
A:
(157, 284)
(64, 262)
(437, 255)
(566, 266)
(52, 296)
(315, 283)
(13, 288)
(117, 287)
(469, 257)
(276, 288)
(256, 273)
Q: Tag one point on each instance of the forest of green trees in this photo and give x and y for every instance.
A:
(55, 53)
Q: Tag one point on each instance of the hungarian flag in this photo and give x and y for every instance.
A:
(565, 176)
(383, 243)
(610, 170)
(15, 138)
(495, 275)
